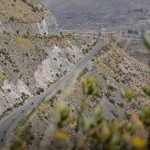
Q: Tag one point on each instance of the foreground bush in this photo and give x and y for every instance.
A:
(98, 133)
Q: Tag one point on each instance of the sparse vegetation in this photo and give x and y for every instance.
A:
(6, 112)
(12, 18)
(17, 11)
(59, 91)
(100, 134)
(9, 90)
(76, 132)
(57, 75)
(39, 90)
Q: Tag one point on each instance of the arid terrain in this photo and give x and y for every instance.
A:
(114, 70)
(40, 46)
(30, 61)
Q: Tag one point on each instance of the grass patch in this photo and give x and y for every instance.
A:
(20, 11)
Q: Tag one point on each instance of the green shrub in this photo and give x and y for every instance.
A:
(12, 18)
(39, 91)
(18, 144)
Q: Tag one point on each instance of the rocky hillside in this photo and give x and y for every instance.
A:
(114, 70)
(26, 17)
(21, 11)
(33, 54)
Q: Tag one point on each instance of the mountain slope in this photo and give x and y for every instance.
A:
(31, 63)
(114, 70)
(33, 54)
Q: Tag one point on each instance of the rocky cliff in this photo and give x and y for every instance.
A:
(33, 54)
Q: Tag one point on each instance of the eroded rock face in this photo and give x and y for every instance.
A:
(20, 57)
(58, 62)
(11, 93)
(48, 25)
(42, 27)
(30, 63)
(33, 54)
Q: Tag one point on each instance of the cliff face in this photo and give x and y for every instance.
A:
(33, 54)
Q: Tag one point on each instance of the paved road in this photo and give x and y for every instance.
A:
(88, 32)
(7, 124)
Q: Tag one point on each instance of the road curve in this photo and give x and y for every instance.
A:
(8, 123)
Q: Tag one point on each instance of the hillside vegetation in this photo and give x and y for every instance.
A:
(29, 63)
(115, 71)
(99, 107)
(20, 11)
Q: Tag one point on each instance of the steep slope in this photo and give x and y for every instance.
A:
(26, 17)
(21, 10)
(29, 64)
(114, 70)
(33, 54)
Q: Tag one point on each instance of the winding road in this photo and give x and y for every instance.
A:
(8, 123)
